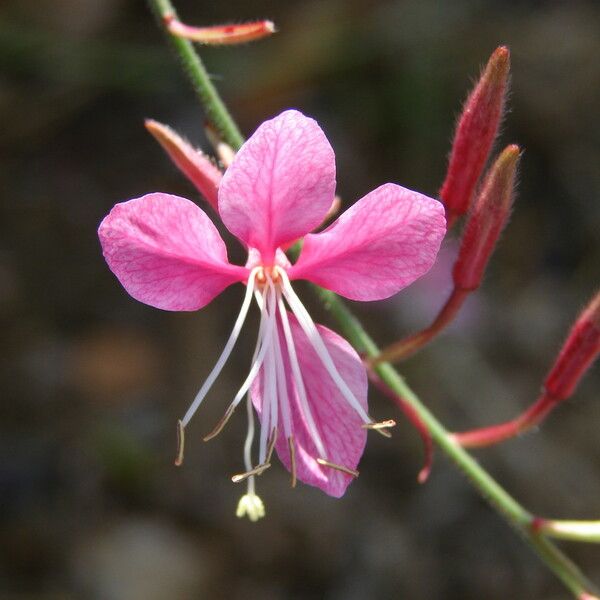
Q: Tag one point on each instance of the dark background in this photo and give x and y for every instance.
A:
(93, 382)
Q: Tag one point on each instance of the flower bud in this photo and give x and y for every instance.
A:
(486, 221)
(195, 165)
(577, 354)
(220, 35)
(475, 134)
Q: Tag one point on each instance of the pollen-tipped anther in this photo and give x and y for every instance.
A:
(180, 443)
(220, 425)
(292, 448)
(341, 468)
(381, 427)
(271, 445)
(256, 471)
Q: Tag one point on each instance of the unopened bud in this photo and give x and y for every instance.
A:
(579, 351)
(475, 133)
(195, 165)
(488, 217)
(220, 35)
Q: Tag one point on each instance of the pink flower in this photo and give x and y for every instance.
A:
(307, 384)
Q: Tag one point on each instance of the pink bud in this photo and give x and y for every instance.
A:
(195, 165)
(220, 35)
(577, 354)
(486, 221)
(475, 133)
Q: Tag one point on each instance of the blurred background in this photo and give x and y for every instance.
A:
(93, 382)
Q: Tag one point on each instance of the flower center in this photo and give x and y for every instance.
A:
(270, 287)
(264, 274)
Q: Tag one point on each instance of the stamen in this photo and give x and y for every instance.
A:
(219, 426)
(292, 448)
(263, 343)
(259, 470)
(312, 333)
(337, 467)
(271, 446)
(282, 388)
(297, 374)
(180, 443)
(237, 327)
(381, 427)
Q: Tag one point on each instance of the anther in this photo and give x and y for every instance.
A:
(271, 446)
(342, 468)
(219, 426)
(256, 471)
(292, 448)
(180, 443)
(381, 427)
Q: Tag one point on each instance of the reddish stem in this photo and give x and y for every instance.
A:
(409, 345)
(487, 436)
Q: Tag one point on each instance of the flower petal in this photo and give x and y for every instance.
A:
(166, 252)
(378, 246)
(280, 185)
(339, 426)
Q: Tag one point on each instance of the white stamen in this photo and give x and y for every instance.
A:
(249, 407)
(282, 390)
(237, 327)
(289, 340)
(264, 341)
(269, 401)
(312, 333)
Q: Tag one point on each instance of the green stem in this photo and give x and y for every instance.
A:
(505, 504)
(498, 497)
(578, 531)
(215, 109)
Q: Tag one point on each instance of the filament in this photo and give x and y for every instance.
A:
(301, 390)
(312, 333)
(237, 327)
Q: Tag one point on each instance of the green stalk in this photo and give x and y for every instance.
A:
(517, 516)
(215, 109)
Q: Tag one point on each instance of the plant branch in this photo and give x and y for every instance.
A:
(506, 505)
(215, 109)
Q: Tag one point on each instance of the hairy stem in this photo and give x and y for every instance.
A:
(215, 109)
(508, 507)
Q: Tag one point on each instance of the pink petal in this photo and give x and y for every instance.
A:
(338, 424)
(380, 245)
(280, 185)
(166, 252)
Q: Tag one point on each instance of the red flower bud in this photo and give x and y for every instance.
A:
(220, 35)
(486, 221)
(195, 165)
(577, 354)
(475, 133)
